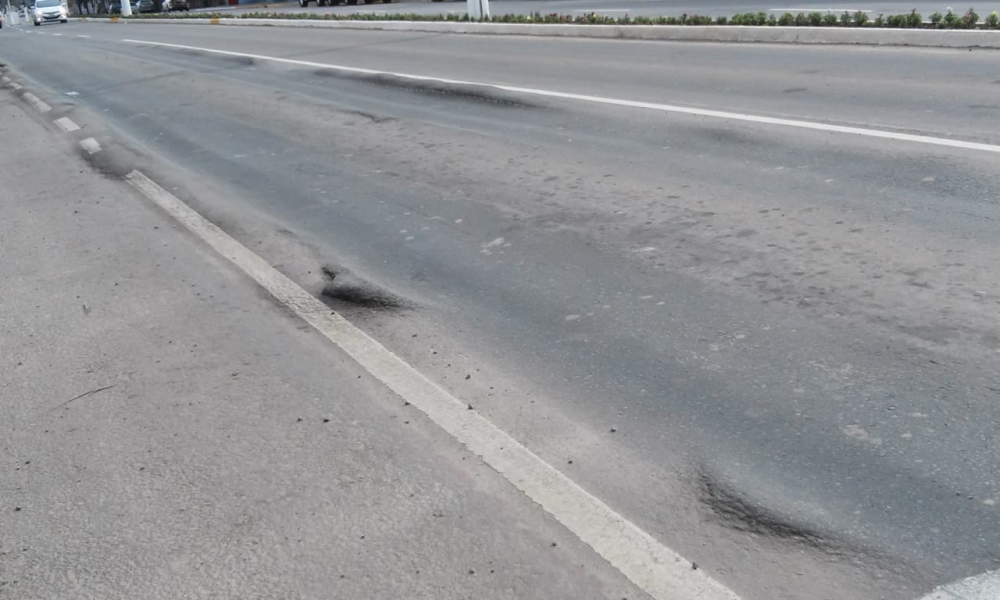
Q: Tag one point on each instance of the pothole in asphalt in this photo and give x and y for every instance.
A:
(737, 512)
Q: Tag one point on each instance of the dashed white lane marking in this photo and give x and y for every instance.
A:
(83, 36)
(6, 79)
(649, 564)
(980, 587)
(57, 34)
(16, 86)
(699, 112)
(90, 145)
(67, 125)
(36, 102)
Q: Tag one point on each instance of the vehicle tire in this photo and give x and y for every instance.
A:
(303, 3)
(352, 2)
(64, 21)
(37, 24)
(386, 1)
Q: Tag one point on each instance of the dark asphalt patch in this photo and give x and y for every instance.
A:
(736, 512)
(111, 162)
(347, 290)
(449, 90)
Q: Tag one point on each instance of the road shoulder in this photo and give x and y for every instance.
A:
(169, 431)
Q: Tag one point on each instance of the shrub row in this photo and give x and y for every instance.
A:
(912, 20)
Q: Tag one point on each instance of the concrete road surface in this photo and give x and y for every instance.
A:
(744, 295)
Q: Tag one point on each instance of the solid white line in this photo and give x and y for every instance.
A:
(700, 112)
(90, 145)
(649, 564)
(67, 125)
(34, 101)
(980, 587)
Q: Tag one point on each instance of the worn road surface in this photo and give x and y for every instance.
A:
(745, 295)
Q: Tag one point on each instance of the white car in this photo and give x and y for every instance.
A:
(50, 11)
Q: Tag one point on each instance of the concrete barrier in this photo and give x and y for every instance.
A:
(928, 38)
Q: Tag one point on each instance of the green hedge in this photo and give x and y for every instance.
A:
(911, 20)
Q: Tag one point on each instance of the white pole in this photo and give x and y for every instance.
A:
(478, 9)
(126, 8)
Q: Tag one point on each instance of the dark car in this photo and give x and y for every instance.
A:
(172, 5)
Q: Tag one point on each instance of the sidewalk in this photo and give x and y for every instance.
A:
(166, 431)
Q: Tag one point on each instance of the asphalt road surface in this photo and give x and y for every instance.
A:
(767, 341)
(614, 8)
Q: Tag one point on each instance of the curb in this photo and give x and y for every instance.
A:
(677, 33)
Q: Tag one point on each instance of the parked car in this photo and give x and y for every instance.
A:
(145, 6)
(305, 3)
(172, 5)
(50, 11)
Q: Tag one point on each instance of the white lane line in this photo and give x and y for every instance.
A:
(16, 86)
(57, 34)
(699, 112)
(67, 125)
(660, 571)
(6, 79)
(34, 101)
(83, 36)
(90, 145)
(980, 587)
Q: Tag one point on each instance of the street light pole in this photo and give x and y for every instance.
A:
(126, 8)
(478, 9)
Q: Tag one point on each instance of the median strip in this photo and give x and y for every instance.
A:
(710, 33)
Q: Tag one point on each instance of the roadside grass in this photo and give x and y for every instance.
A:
(912, 20)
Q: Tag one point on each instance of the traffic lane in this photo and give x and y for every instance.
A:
(223, 451)
(910, 189)
(943, 92)
(546, 290)
(647, 8)
(947, 195)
